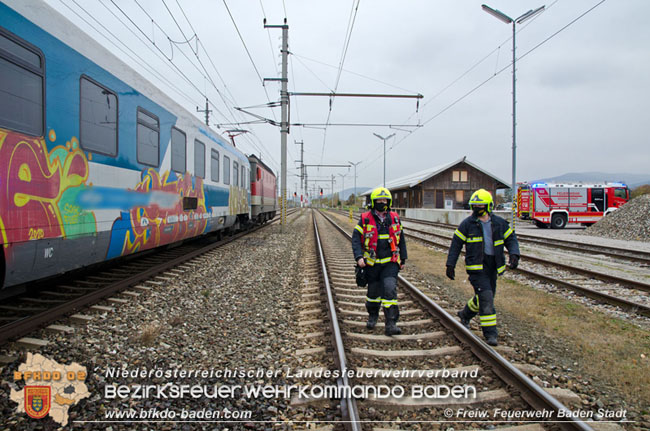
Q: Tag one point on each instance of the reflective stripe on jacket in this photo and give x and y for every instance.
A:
(470, 234)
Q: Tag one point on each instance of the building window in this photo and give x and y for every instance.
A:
(459, 196)
(226, 170)
(98, 118)
(459, 176)
(179, 151)
(199, 159)
(214, 165)
(22, 75)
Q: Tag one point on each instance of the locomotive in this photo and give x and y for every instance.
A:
(96, 163)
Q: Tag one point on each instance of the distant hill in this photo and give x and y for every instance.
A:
(347, 192)
(632, 180)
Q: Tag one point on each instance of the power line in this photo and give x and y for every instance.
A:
(233, 101)
(489, 79)
(346, 44)
(142, 62)
(351, 72)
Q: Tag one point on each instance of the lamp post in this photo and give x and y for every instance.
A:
(505, 18)
(342, 186)
(355, 180)
(384, 139)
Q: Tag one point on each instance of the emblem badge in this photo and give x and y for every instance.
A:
(37, 401)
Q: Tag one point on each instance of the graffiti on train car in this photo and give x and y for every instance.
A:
(155, 225)
(46, 195)
(35, 201)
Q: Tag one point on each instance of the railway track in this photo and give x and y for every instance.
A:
(432, 343)
(117, 284)
(600, 286)
(592, 284)
(626, 255)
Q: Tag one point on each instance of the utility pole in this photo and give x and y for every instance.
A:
(284, 122)
(303, 182)
(355, 180)
(206, 111)
(332, 198)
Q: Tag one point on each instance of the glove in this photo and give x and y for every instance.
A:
(451, 272)
(514, 261)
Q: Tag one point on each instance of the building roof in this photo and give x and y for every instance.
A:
(412, 180)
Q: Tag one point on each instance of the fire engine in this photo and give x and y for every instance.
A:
(555, 205)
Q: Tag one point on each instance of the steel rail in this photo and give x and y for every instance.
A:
(349, 408)
(536, 396)
(591, 293)
(25, 325)
(626, 282)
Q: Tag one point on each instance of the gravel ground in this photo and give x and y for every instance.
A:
(630, 222)
(235, 309)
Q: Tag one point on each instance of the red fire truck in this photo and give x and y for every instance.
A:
(555, 205)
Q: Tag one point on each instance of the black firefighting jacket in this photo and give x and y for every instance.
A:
(470, 234)
(383, 246)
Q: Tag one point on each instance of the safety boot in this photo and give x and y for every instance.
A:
(372, 320)
(463, 321)
(391, 314)
(491, 340)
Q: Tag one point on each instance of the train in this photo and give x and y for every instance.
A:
(96, 163)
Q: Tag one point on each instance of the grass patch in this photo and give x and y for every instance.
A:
(611, 350)
(149, 334)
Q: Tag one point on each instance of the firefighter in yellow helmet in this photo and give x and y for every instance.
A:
(484, 236)
(380, 248)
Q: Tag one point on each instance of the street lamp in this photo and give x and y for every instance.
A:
(342, 185)
(384, 139)
(505, 18)
(355, 180)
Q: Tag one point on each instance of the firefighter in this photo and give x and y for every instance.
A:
(379, 247)
(484, 236)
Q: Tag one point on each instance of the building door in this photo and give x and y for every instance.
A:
(440, 199)
(598, 199)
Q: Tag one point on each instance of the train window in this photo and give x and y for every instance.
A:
(97, 118)
(148, 138)
(214, 165)
(199, 159)
(226, 170)
(243, 176)
(21, 86)
(179, 151)
(235, 174)
(259, 174)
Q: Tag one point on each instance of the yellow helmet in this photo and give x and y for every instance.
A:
(482, 197)
(380, 193)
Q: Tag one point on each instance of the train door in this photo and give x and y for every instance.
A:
(598, 199)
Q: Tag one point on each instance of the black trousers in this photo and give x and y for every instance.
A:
(382, 287)
(482, 303)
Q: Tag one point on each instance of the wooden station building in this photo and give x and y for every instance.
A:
(444, 187)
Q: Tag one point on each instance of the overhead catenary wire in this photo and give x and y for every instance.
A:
(142, 62)
(346, 44)
(232, 97)
(474, 89)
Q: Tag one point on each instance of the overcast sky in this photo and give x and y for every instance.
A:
(583, 97)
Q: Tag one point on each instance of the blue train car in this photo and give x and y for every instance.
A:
(96, 162)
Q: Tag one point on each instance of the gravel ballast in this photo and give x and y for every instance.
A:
(232, 309)
(630, 222)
